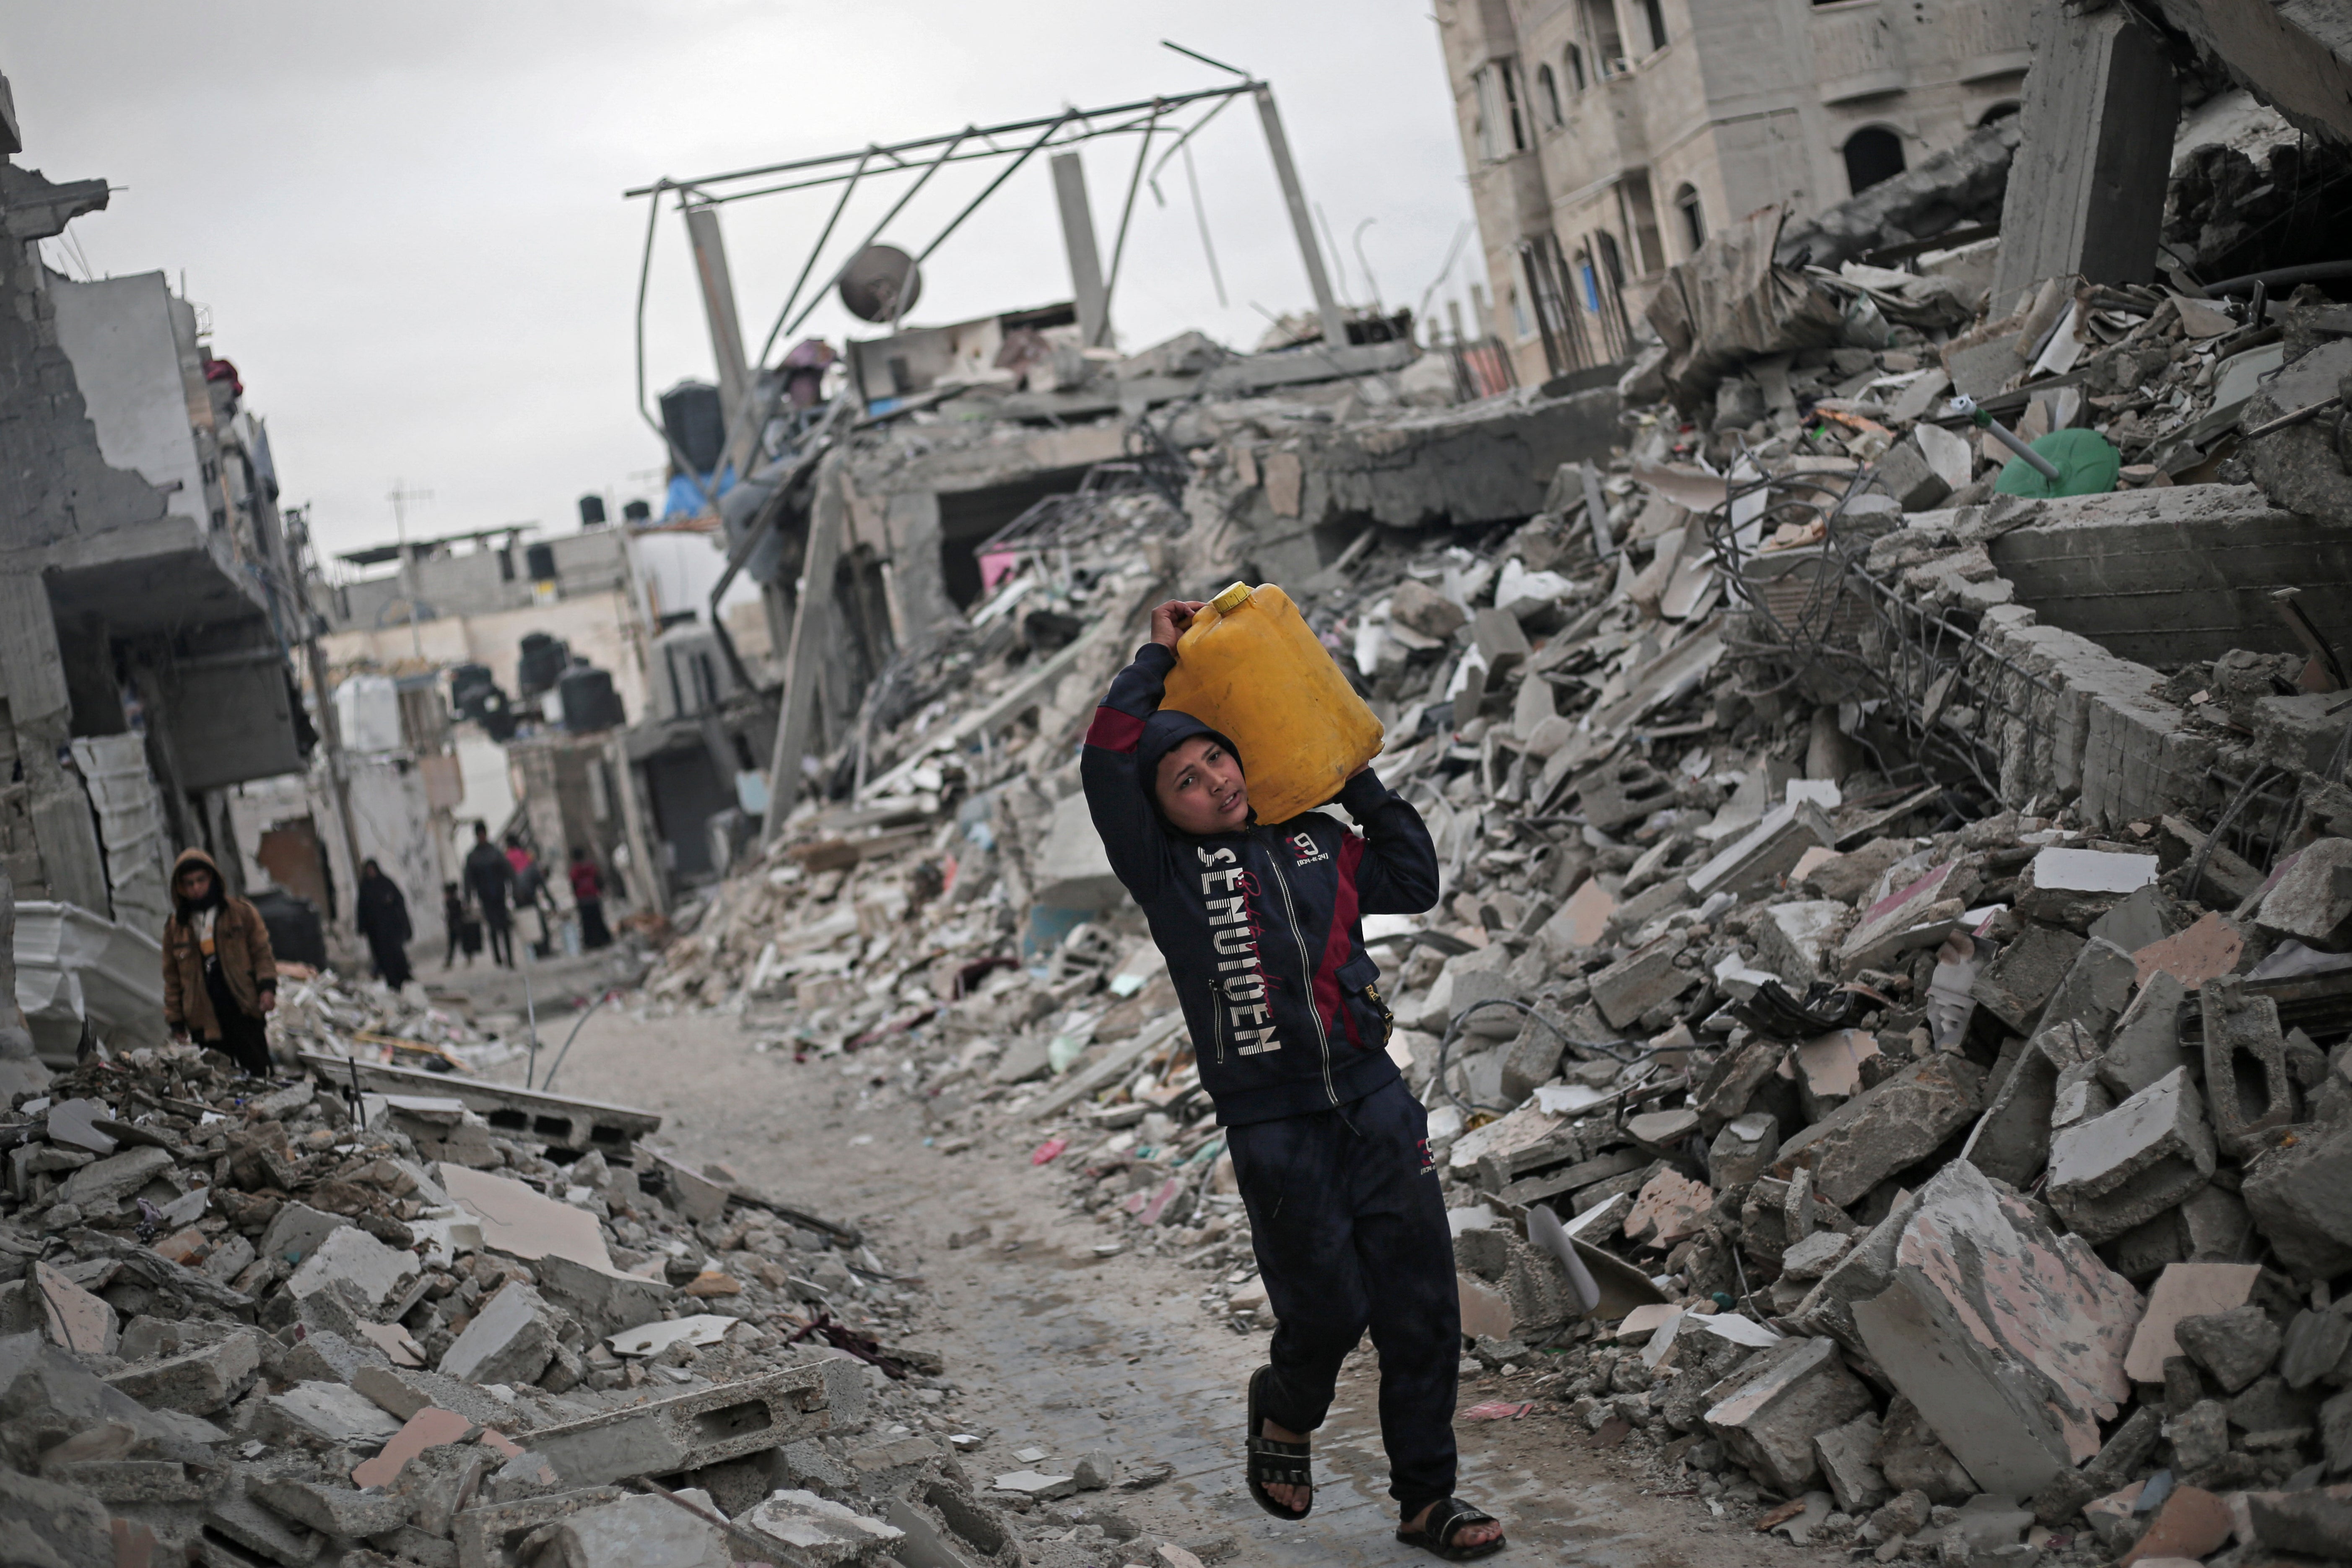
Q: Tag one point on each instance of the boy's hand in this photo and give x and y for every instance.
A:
(1170, 620)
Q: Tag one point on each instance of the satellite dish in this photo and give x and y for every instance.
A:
(881, 284)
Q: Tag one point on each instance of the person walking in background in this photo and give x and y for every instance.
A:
(489, 876)
(220, 980)
(588, 892)
(465, 930)
(383, 920)
(531, 890)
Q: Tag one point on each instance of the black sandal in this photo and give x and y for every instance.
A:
(1273, 1463)
(1447, 1519)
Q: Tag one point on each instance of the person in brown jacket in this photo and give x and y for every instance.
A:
(219, 979)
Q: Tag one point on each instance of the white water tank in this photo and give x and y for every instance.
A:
(367, 707)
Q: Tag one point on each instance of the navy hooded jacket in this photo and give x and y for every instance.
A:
(1261, 928)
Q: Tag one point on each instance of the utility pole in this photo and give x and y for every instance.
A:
(1302, 222)
(399, 497)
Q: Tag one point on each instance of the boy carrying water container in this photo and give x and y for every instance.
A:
(1260, 929)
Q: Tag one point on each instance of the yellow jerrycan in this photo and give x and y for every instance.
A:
(1250, 668)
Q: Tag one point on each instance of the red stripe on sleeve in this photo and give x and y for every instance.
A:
(1340, 939)
(1114, 730)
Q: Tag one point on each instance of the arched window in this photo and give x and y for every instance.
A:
(1872, 153)
(1655, 14)
(1547, 95)
(1575, 68)
(1996, 112)
(1694, 216)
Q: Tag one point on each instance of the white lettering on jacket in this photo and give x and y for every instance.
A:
(1233, 927)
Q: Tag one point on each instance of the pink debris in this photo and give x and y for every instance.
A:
(1046, 1150)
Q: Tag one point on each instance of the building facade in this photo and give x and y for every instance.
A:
(1606, 139)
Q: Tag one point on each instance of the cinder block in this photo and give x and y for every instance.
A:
(702, 1428)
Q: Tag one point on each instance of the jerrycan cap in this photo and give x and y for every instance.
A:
(1232, 599)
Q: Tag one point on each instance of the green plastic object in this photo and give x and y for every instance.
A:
(2087, 466)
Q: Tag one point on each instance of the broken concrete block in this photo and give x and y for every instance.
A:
(2146, 1044)
(2300, 1197)
(1886, 1129)
(1792, 939)
(1743, 1150)
(330, 1510)
(2245, 1065)
(510, 1339)
(525, 1224)
(1643, 979)
(1915, 1463)
(2206, 949)
(1905, 473)
(295, 1232)
(2311, 898)
(2313, 1347)
(606, 1301)
(198, 1382)
(1815, 1255)
(1758, 859)
(2317, 1521)
(1846, 1453)
(1668, 1208)
(262, 1533)
(1035, 1485)
(2073, 887)
(428, 1428)
(1867, 1268)
(2236, 1346)
(1768, 1411)
(1829, 1069)
(2018, 983)
(100, 1187)
(2184, 1291)
(2272, 1414)
(351, 1257)
(704, 1426)
(646, 1531)
(1737, 1073)
(823, 1531)
(1499, 639)
(2011, 1142)
(324, 1414)
(2140, 1159)
(74, 1319)
(2094, 990)
(2009, 1338)
(487, 1535)
(1416, 604)
(1920, 914)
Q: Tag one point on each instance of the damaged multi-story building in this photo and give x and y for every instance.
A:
(1607, 139)
(148, 594)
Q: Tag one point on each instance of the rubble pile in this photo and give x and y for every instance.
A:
(303, 1320)
(1888, 1054)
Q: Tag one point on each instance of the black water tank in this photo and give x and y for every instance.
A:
(637, 511)
(589, 700)
(691, 419)
(544, 660)
(539, 561)
(470, 686)
(592, 512)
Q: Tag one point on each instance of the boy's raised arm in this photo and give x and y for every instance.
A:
(1119, 800)
(1398, 873)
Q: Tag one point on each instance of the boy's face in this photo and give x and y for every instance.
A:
(1200, 787)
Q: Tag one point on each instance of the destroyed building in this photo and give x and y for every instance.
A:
(1606, 142)
(149, 593)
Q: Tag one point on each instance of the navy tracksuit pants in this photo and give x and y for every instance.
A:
(1350, 1234)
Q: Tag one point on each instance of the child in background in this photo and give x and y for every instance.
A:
(1261, 928)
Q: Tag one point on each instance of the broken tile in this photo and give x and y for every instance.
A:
(2206, 949)
(2009, 1339)
(1670, 1207)
(2183, 1290)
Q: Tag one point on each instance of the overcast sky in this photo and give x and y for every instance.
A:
(406, 221)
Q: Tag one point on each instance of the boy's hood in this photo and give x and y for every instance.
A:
(1162, 733)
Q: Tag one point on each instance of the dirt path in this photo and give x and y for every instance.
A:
(1050, 1346)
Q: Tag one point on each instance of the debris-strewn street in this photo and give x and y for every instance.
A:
(1048, 1346)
